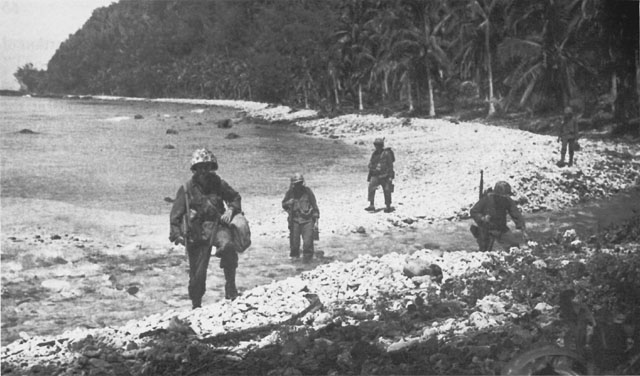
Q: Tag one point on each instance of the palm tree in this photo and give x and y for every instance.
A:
(422, 31)
(354, 44)
(541, 49)
(482, 16)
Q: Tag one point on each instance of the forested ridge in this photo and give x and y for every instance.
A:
(419, 56)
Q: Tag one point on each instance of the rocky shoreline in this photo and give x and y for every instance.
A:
(431, 312)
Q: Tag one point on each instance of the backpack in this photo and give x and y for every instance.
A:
(241, 232)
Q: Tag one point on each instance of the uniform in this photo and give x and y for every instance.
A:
(568, 135)
(300, 203)
(205, 196)
(490, 215)
(380, 174)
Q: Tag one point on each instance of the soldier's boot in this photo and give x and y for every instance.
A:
(230, 290)
(387, 202)
(371, 207)
(563, 151)
(570, 158)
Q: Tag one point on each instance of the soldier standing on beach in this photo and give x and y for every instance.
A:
(300, 203)
(380, 174)
(568, 135)
(490, 215)
(200, 221)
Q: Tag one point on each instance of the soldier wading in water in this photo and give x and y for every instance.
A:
(490, 215)
(300, 203)
(200, 221)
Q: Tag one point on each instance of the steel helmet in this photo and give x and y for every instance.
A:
(568, 110)
(378, 141)
(204, 156)
(502, 188)
(297, 178)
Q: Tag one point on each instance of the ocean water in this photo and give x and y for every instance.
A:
(95, 153)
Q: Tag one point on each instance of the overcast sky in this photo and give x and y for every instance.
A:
(31, 31)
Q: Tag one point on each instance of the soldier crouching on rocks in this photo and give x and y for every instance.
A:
(199, 221)
(380, 173)
(300, 203)
(490, 215)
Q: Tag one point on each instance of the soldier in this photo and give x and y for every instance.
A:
(490, 215)
(568, 135)
(300, 203)
(200, 221)
(381, 173)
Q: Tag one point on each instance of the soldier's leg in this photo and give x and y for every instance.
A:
(230, 290)
(294, 240)
(508, 239)
(371, 193)
(306, 230)
(484, 239)
(228, 260)
(198, 264)
(571, 149)
(387, 188)
(563, 150)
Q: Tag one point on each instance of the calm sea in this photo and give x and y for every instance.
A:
(96, 154)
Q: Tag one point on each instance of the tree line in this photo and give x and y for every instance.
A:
(411, 55)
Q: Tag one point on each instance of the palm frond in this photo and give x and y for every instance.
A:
(516, 48)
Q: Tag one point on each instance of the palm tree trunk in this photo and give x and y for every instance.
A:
(306, 97)
(432, 106)
(614, 91)
(492, 108)
(360, 106)
(409, 97)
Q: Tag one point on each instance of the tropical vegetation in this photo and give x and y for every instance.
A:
(414, 56)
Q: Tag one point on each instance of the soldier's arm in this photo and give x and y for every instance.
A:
(516, 215)
(477, 210)
(314, 204)
(231, 198)
(287, 203)
(177, 212)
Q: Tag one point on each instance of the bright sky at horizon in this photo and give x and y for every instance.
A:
(32, 30)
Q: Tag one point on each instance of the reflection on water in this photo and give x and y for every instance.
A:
(79, 156)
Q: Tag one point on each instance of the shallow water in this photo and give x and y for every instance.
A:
(96, 154)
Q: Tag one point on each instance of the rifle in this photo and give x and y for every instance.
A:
(185, 217)
(481, 184)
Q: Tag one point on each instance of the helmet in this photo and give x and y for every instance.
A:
(568, 110)
(297, 178)
(502, 188)
(204, 156)
(378, 141)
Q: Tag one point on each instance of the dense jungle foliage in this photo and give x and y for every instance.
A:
(403, 55)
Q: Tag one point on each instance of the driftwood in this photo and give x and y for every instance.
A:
(314, 305)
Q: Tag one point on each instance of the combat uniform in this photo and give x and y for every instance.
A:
(300, 203)
(568, 136)
(206, 200)
(381, 174)
(490, 215)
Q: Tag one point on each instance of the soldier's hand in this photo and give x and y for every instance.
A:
(226, 217)
(486, 218)
(179, 240)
